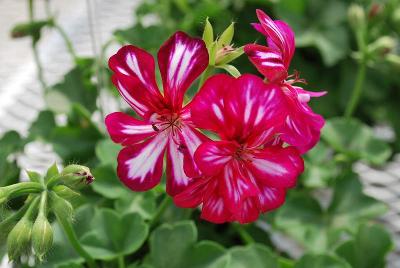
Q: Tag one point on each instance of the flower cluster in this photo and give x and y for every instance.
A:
(264, 125)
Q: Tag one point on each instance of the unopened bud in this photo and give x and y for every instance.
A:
(226, 37)
(356, 16)
(382, 46)
(76, 176)
(61, 207)
(208, 34)
(394, 60)
(42, 236)
(19, 239)
(227, 54)
(396, 17)
(374, 10)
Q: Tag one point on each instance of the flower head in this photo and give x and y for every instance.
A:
(244, 174)
(164, 124)
(302, 126)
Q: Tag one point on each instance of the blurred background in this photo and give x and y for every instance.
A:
(55, 86)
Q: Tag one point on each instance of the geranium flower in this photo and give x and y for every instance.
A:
(163, 124)
(244, 174)
(302, 126)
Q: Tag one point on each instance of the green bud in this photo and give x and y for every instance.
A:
(19, 239)
(32, 29)
(394, 60)
(226, 37)
(208, 34)
(227, 54)
(61, 207)
(382, 46)
(356, 17)
(42, 236)
(76, 176)
(396, 17)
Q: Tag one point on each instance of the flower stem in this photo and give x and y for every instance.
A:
(361, 37)
(121, 262)
(357, 90)
(244, 235)
(70, 233)
(206, 74)
(161, 209)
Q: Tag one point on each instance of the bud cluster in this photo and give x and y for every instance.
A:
(28, 231)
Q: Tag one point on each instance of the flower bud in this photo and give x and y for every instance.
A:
(394, 60)
(208, 34)
(227, 54)
(76, 176)
(374, 10)
(61, 207)
(382, 46)
(19, 239)
(396, 17)
(356, 16)
(42, 236)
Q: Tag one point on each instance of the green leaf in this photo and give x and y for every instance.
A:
(207, 254)
(143, 203)
(43, 125)
(107, 152)
(255, 256)
(319, 261)
(356, 140)
(107, 183)
(77, 86)
(10, 143)
(368, 249)
(350, 205)
(76, 141)
(169, 244)
(113, 235)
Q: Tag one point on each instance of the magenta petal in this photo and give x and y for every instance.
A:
(193, 195)
(235, 187)
(140, 166)
(135, 78)
(270, 198)
(254, 107)
(207, 107)
(211, 157)
(280, 34)
(214, 208)
(268, 61)
(181, 60)
(249, 212)
(177, 180)
(276, 167)
(127, 130)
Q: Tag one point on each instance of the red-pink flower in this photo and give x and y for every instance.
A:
(163, 124)
(302, 126)
(244, 174)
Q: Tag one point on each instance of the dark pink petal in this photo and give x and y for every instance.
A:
(214, 208)
(235, 187)
(191, 139)
(181, 60)
(193, 195)
(268, 61)
(248, 212)
(177, 180)
(302, 127)
(270, 198)
(211, 157)
(207, 107)
(135, 79)
(127, 130)
(276, 167)
(140, 166)
(279, 35)
(254, 107)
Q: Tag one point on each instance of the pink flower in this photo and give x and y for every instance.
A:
(164, 125)
(302, 126)
(241, 175)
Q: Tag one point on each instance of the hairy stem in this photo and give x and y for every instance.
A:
(73, 239)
